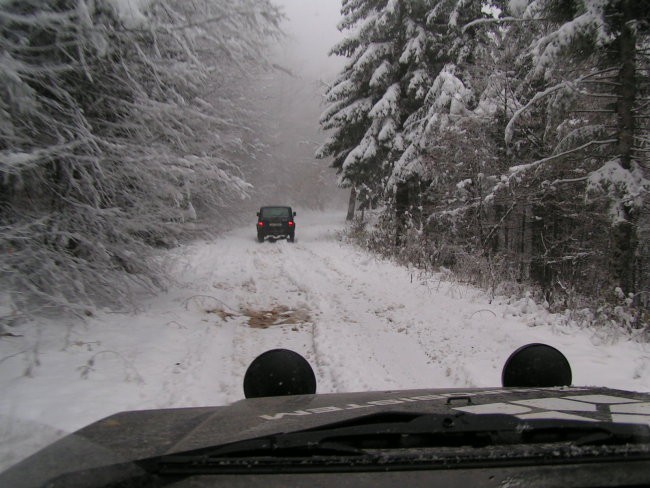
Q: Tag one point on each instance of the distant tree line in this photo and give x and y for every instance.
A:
(122, 125)
(502, 139)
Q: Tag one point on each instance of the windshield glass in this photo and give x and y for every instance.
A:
(439, 183)
(270, 212)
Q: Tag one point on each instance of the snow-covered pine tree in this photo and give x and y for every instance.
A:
(587, 83)
(442, 84)
(453, 108)
(409, 80)
(567, 83)
(376, 91)
(119, 121)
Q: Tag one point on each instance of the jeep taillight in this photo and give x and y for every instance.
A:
(260, 224)
(291, 223)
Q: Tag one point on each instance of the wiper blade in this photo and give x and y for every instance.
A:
(365, 436)
(400, 430)
(285, 445)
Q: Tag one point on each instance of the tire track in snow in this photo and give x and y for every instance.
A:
(375, 325)
(467, 338)
(444, 341)
(448, 339)
(265, 287)
(348, 335)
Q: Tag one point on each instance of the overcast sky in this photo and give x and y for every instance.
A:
(311, 33)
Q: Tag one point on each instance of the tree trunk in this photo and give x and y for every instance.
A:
(624, 254)
(627, 88)
(351, 204)
(402, 204)
(624, 233)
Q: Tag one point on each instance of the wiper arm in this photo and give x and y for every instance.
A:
(441, 430)
(381, 442)
(363, 436)
(285, 445)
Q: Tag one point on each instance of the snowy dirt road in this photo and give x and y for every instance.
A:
(362, 322)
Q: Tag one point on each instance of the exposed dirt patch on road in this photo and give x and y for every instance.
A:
(263, 319)
(278, 315)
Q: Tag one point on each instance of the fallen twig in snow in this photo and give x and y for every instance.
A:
(483, 310)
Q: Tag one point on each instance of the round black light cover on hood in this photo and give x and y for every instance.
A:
(279, 372)
(536, 365)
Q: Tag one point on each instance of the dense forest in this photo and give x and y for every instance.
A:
(507, 141)
(121, 121)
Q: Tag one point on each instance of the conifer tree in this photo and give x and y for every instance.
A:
(586, 82)
(376, 91)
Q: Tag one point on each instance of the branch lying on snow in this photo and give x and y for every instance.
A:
(210, 297)
(483, 310)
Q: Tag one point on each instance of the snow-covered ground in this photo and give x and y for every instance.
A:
(362, 322)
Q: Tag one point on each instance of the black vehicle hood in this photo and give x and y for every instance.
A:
(134, 435)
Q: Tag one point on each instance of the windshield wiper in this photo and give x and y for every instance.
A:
(368, 438)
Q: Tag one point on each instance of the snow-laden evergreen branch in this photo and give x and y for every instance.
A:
(509, 131)
(528, 166)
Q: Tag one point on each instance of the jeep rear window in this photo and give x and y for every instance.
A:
(275, 212)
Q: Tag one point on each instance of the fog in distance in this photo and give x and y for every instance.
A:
(290, 103)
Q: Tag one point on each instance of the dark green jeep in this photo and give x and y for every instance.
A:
(276, 222)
